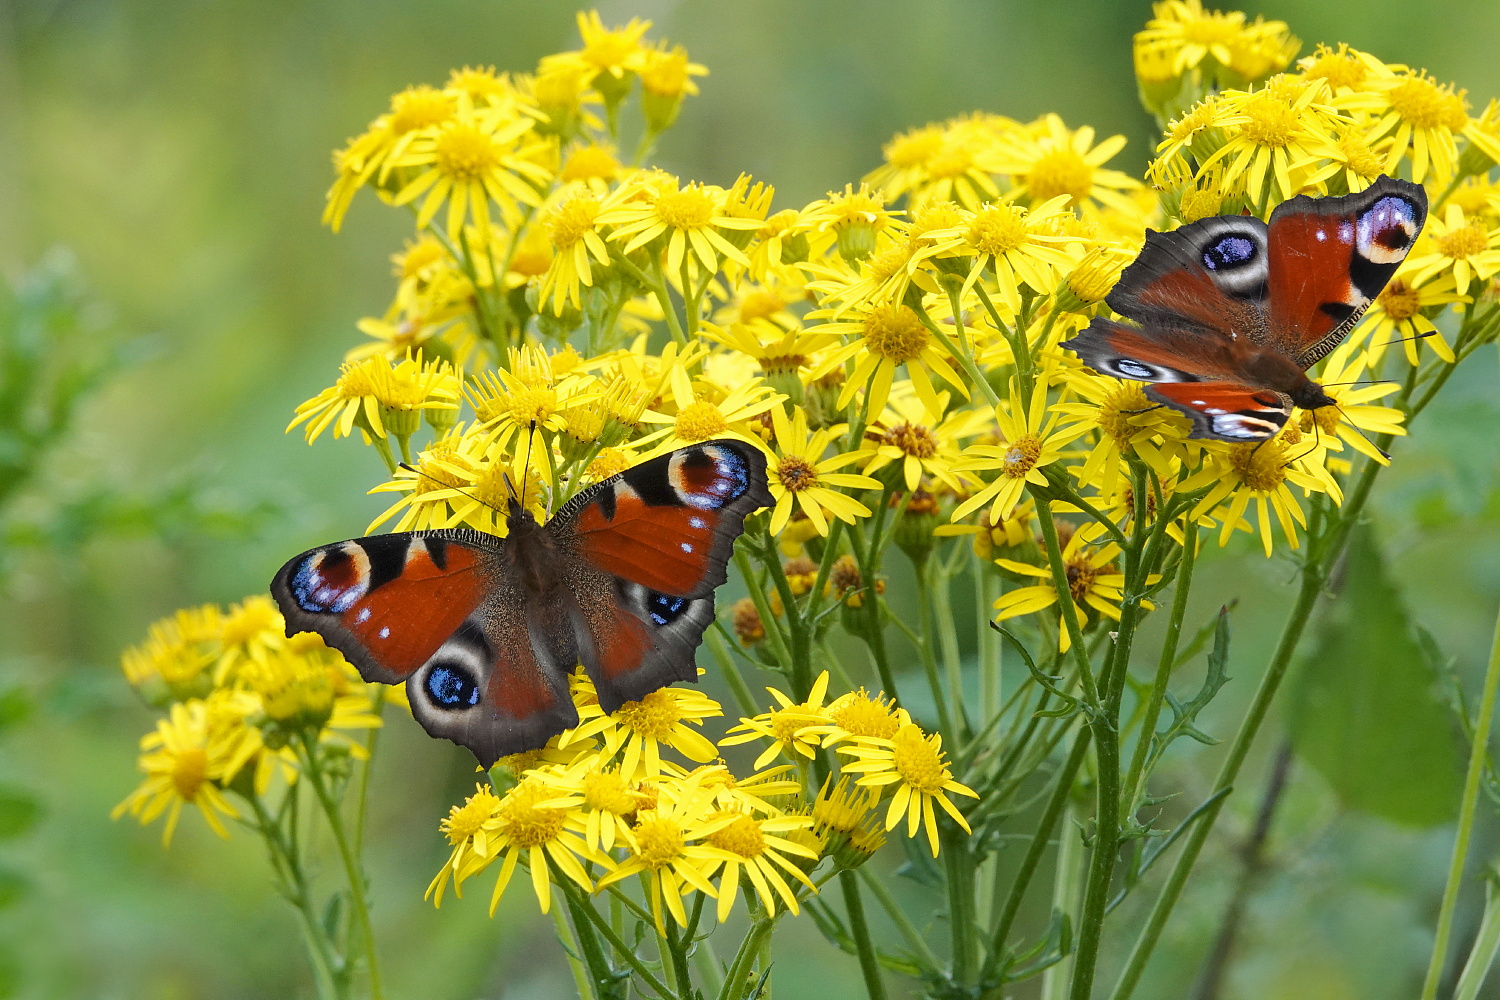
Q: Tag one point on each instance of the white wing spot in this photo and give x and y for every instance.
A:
(385, 633)
(697, 522)
(363, 616)
(687, 546)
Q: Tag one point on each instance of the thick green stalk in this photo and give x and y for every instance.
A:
(1478, 758)
(958, 866)
(1134, 776)
(869, 965)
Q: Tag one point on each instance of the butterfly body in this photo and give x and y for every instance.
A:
(1232, 311)
(486, 630)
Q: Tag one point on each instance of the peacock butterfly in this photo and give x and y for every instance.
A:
(1233, 311)
(485, 630)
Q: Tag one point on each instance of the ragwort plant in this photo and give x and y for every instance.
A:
(564, 310)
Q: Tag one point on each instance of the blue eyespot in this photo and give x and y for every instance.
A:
(1228, 253)
(450, 687)
(663, 609)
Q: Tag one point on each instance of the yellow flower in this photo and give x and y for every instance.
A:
(187, 761)
(1272, 135)
(1020, 245)
(572, 227)
(795, 728)
(638, 730)
(1092, 580)
(1399, 314)
(176, 660)
(799, 476)
(749, 845)
(1424, 118)
(889, 336)
(913, 763)
(611, 54)
(1126, 422)
(1470, 248)
(1354, 414)
(1028, 443)
(372, 392)
(1243, 473)
(844, 817)
(908, 433)
(851, 219)
(474, 158)
(860, 714)
(948, 162)
(1214, 41)
(708, 412)
(691, 221)
(665, 852)
(531, 820)
(1047, 161)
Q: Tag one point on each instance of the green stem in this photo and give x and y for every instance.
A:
(320, 951)
(1478, 756)
(568, 937)
(1050, 817)
(913, 937)
(362, 801)
(622, 949)
(1307, 597)
(352, 869)
(735, 985)
(923, 643)
(732, 675)
(963, 359)
(1065, 599)
(1134, 776)
(869, 965)
(959, 876)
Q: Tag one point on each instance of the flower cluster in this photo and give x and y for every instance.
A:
(239, 699)
(601, 803)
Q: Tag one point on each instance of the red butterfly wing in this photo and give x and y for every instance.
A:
(1226, 411)
(1330, 258)
(650, 546)
(438, 610)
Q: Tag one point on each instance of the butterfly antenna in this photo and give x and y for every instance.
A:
(1383, 453)
(1415, 336)
(443, 485)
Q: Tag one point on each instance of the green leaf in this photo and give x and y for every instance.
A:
(1365, 708)
(19, 812)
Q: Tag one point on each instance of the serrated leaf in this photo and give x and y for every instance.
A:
(19, 812)
(1365, 708)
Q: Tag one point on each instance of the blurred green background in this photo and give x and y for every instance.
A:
(180, 152)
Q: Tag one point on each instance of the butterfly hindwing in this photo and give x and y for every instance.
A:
(650, 545)
(1153, 354)
(1225, 411)
(1330, 258)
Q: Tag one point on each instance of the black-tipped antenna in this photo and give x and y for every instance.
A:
(1415, 336)
(456, 489)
